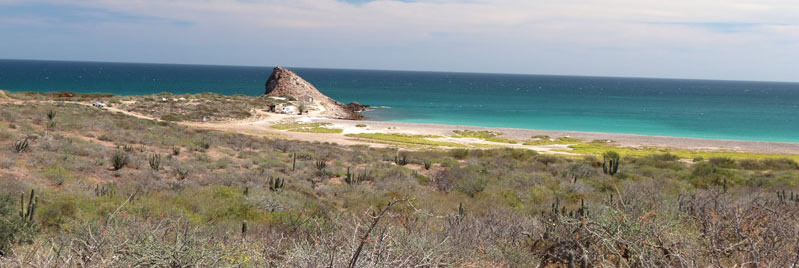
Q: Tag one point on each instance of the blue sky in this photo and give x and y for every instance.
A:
(710, 39)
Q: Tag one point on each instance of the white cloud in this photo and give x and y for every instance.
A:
(620, 37)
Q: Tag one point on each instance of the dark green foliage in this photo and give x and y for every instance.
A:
(276, 184)
(401, 160)
(246, 191)
(51, 115)
(19, 228)
(348, 177)
(460, 214)
(703, 169)
(320, 164)
(244, 227)
(119, 159)
(459, 153)
(610, 163)
(723, 162)
(21, 145)
(26, 213)
(204, 144)
(428, 164)
(175, 151)
(155, 161)
(768, 164)
(294, 162)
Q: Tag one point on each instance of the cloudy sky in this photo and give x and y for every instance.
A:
(713, 39)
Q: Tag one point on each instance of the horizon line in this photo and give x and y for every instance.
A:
(417, 71)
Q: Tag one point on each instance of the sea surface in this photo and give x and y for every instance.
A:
(760, 111)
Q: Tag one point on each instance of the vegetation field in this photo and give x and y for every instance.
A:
(85, 187)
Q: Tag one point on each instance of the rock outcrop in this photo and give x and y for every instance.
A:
(283, 82)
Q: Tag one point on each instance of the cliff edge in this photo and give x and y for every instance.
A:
(283, 82)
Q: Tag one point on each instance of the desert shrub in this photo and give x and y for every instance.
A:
(722, 162)
(666, 160)
(703, 169)
(58, 213)
(750, 164)
(119, 159)
(459, 153)
(57, 174)
(13, 229)
(780, 164)
(547, 159)
(471, 185)
(21, 145)
(427, 164)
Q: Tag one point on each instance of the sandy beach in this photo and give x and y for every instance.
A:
(261, 126)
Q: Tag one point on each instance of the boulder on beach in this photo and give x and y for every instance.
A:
(285, 83)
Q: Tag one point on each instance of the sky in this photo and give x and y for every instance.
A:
(703, 39)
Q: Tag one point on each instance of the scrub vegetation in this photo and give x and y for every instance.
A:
(104, 189)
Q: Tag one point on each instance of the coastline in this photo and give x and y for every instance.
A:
(261, 123)
(264, 124)
(625, 140)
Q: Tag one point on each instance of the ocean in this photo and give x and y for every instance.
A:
(736, 110)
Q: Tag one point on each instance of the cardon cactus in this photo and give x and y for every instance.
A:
(610, 163)
(26, 213)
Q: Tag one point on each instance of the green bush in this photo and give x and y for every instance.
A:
(13, 229)
(723, 162)
(119, 159)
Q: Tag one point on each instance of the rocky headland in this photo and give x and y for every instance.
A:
(285, 83)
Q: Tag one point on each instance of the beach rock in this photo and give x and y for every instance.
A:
(285, 83)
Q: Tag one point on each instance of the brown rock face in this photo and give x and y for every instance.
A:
(283, 82)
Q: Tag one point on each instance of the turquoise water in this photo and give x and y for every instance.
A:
(762, 111)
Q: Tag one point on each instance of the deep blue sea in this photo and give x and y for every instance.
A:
(763, 111)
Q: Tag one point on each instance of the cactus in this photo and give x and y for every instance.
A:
(246, 191)
(276, 184)
(26, 213)
(348, 177)
(175, 151)
(50, 115)
(204, 144)
(294, 162)
(724, 185)
(400, 160)
(127, 148)
(244, 227)
(21, 145)
(119, 159)
(583, 211)
(461, 213)
(103, 190)
(427, 164)
(610, 163)
(155, 161)
(321, 164)
(182, 173)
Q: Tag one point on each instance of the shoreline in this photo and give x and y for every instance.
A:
(625, 140)
(260, 124)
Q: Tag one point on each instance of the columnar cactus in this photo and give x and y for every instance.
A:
(610, 163)
(276, 184)
(26, 213)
